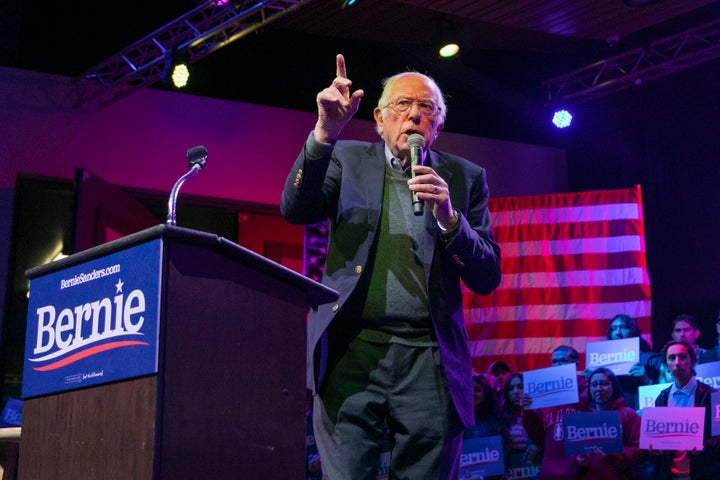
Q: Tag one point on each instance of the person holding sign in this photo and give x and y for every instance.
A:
(645, 371)
(544, 425)
(524, 455)
(606, 394)
(488, 419)
(686, 391)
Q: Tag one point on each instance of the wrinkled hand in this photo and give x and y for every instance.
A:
(336, 105)
(433, 190)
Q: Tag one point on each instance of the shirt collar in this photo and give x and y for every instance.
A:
(389, 157)
(687, 391)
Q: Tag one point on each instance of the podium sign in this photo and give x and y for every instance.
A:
(95, 322)
(152, 325)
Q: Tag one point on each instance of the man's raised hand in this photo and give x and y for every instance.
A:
(336, 105)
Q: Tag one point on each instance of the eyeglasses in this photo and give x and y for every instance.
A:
(599, 384)
(403, 105)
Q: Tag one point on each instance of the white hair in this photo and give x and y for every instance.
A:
(387, 86)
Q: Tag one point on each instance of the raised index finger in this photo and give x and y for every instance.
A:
(340, 66)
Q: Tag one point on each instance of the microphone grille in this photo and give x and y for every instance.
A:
(416, 140)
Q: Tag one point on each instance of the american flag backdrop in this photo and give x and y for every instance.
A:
(570, 262)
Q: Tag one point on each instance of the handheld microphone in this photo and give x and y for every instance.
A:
(197, 156)
(416, 142)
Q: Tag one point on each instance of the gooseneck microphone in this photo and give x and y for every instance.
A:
(197, 156)
(416, 142)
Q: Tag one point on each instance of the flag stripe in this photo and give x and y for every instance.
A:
(571, 311)
(570, 278)
(603, 245)
(561, 263)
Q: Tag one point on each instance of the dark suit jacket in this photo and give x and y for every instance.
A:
(705, 465)
(346, 187)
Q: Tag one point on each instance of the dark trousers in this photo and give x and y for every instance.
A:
(371, 388)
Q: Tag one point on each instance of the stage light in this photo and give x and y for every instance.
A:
(449, 50)
(175, 69)
(347, 3)
(446, 39)
(180, 75)
(562, 118)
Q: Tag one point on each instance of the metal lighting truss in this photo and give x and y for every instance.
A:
(194, 35)
(662, 57)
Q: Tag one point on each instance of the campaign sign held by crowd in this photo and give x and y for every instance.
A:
(672, 428)
(94, 322)
(708, 373)
(715, 399)
(588, 431)
(617, 355)
(647, 394)
(520, 469)
(552, 386)
(481, 457)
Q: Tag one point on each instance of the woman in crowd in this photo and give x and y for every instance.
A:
(488, 419)
(646, 371)
(522, 450)
(606, 394)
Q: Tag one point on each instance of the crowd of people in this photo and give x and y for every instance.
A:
(532, 439)
(537, 435)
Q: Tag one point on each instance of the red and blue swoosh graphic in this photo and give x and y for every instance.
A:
(88, 353)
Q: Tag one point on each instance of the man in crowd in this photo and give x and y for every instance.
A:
(544, 426)
(686, 391)
(500, 372)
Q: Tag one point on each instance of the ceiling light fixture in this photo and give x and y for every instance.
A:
(446, 39)
(175, 69)
(562, 118)
(180, 75)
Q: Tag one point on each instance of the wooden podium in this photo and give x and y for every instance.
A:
(228, 398)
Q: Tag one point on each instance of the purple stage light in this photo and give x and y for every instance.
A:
(562, 118)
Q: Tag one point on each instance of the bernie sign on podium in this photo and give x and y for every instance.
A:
(95, 322)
